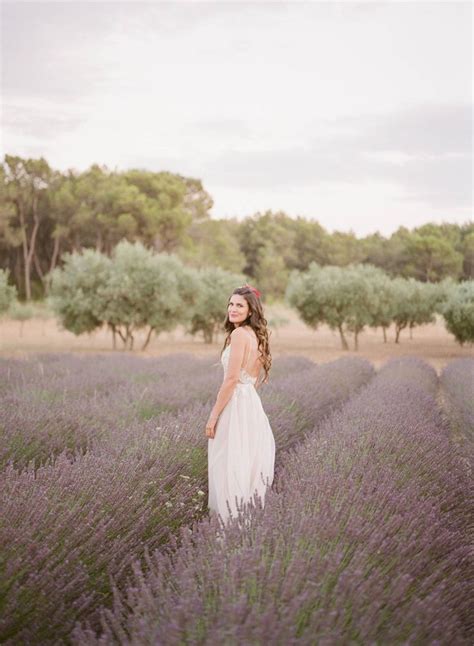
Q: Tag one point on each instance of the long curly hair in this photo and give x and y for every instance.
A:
(257, 321)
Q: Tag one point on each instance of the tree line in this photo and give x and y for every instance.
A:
(45, 213)
(138, 290)
(133, 290)
(349, 299)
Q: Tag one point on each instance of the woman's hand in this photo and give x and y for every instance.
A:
(211, 428)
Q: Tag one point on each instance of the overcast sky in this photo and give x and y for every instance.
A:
(358, 115)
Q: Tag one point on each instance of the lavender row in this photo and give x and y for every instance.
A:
(49, 405)
(457, 384)
(69, 527)
(365, 538)
(316, 393)
(66, 402)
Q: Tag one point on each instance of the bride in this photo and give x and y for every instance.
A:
(241, 446)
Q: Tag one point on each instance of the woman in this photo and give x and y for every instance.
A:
(241, 446)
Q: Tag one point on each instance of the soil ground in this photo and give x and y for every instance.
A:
(432, 342)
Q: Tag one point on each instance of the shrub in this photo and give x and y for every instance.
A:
(458, 312)
(8, 293)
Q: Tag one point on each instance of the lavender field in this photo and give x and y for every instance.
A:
(366, 535)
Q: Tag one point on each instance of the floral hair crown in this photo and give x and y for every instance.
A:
(253, 289)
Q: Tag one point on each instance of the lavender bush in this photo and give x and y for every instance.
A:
(67, 402)
(457, 383)
(316, 392)
(365, 538)
(72, 524)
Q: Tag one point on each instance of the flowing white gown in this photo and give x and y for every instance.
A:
(241, 456)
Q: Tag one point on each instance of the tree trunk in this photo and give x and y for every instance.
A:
(399, 328)
(28, 247)
(345, 345)
(114, 336)
(54, 259)
(121, 335)
(356, 340)
(39, 271)
(125, 340)
(24, 245)
(147, 340)
(34, 233)
(18, 268)
(384, 333)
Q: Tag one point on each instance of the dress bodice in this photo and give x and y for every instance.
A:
(244, 378)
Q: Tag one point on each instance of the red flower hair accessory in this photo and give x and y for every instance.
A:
(253, 289)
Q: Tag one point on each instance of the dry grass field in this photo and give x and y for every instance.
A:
(430, 342)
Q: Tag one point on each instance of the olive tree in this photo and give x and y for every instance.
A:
(382, 304)
(214, 286)
(362, 287)
(320, 295)
(345, 298)
(414, 304)
(145, 290)
(132, 290)
(458, 312)
(75, 290)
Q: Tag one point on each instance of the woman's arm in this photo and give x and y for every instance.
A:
(239, 340)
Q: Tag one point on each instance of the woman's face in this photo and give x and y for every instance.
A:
(237, 309)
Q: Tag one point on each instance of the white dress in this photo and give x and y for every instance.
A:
(241, 456)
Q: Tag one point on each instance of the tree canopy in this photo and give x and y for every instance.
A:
(46, 214)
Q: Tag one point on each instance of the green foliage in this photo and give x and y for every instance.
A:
(45, 213)
(8, 293)
(213, 289)
(382, 304)
(432, 257)
(466, 247)
(339, 297)
(351, 298)
(212, 243)
(414, 304)
(277, 321)
(25, 202)
(458, 312)
(134, 289)
(21, 311)
(75, 290)
(344, 249)
(146, 290)
(172, 203)
(268, 242)
(321, 295)
(364, 304)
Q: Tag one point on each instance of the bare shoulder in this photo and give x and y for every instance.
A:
(243, 335)
(238, 333)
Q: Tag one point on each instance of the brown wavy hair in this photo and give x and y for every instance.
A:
(257, 322)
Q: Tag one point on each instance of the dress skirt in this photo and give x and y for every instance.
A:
(241, 456)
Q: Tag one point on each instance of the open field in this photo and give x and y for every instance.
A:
(430, 342)
(365, 536)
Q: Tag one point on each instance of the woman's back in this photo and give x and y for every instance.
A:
(252, 361)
